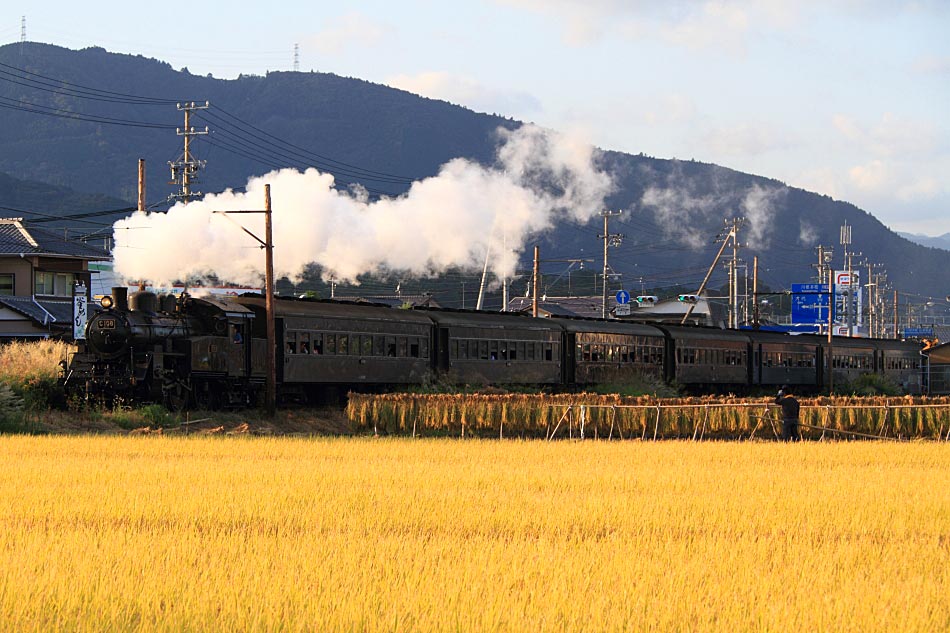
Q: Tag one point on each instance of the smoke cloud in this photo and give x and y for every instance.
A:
(450, 220)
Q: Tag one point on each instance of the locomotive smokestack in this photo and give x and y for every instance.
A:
(121, 296)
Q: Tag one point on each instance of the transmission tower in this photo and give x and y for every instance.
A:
(185, 169)
(22, 32)
(296, 58)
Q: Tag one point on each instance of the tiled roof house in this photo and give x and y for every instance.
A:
(38, 270)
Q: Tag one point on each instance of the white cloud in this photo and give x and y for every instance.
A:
(747, 139)
(932, 64)
(350, 30)
(466, 91)
(873, 176)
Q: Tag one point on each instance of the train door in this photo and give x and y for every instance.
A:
(569, 358)
(756, 360)
(442, 351)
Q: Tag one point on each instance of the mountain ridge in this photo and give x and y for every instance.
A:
(674, 208)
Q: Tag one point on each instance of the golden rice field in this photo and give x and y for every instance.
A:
(202, 534)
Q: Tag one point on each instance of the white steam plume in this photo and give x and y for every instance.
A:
(687, 209)
(444, 221)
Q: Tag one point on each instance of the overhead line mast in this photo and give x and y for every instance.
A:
(185, 171)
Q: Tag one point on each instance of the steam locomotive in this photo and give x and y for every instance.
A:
(209, 352)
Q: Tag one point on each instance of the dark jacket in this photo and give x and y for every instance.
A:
(789, 406)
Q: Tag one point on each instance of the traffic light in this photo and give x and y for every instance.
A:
(647, 299)
(688, 298)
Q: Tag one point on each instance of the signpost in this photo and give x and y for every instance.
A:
(80, 312)
(623, 297)
(810, 304)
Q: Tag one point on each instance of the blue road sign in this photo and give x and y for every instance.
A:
(623, 297)
(810, 303)
(918, 332)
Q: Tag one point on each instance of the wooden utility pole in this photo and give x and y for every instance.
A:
(141, 206)
(270, 394)
(534, 283)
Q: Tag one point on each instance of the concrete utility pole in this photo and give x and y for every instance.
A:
(897, 329)
(535, 281)
(831, 332)
(755, 292)
(733, 274)
(185, 171)
(702, 286)
(609, 240)
(846, 242)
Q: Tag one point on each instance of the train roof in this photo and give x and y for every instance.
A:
(227, 305)
(608, 327)
(469, 318)
(699, 332)
(284, 307)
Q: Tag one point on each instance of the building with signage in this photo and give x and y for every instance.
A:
(38, 272)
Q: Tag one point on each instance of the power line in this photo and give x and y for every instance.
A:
(23, 106)
(79, 88)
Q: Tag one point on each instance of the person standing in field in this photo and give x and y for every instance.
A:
(790, 409)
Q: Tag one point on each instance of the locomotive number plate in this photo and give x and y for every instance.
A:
(107, 324)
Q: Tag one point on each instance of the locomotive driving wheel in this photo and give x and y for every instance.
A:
(176, 392)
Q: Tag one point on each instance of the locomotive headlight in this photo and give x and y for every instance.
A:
(106, 302)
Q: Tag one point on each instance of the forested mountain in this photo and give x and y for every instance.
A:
(673, 209)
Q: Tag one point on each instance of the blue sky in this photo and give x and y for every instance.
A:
(847, 98)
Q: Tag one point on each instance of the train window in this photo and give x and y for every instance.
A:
(403, 346)
(454, 350)
(379, 346)
(291, 342)
(549, 352)
(424, 346)
(414, 348)
(331, 343)
(513, 351)
(504, 354)
(367, 345)
(342, 344)
(493, 350)
(462, 348)
(585, 352)
(317, 347)
(391, 346)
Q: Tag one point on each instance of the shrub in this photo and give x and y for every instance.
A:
(32, 370)
(870, 385)
(11, 410)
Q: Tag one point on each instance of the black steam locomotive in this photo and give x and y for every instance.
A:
(210, 352)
